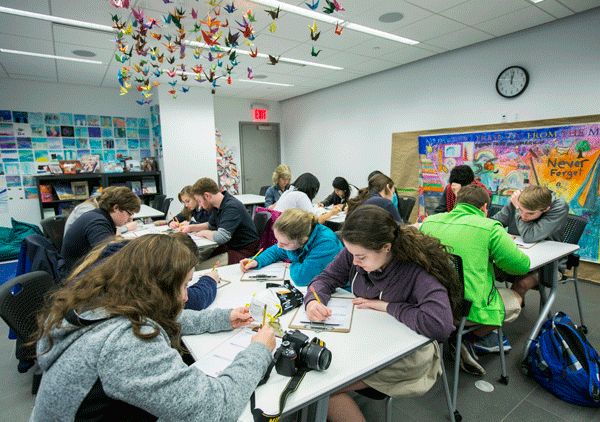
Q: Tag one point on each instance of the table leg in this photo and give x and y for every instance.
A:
(549, 272)
(316, 411)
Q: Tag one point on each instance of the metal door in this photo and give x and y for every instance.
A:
(260, 154)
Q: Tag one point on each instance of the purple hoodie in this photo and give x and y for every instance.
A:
(415, 297)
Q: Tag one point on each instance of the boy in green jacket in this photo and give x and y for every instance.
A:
(476, 238)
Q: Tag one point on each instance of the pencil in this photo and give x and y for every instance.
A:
(175, 218)
(312, 289)
(264, 315)
(216, 263)
(248, 263)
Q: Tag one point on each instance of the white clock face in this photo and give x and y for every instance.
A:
(512, 82)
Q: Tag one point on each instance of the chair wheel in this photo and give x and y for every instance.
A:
(525, 369)
(457, 416)
(583, 329)
(503, 380)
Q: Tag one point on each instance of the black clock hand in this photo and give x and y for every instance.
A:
(512, 75)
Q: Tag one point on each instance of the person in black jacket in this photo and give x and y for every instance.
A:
(115, 208)
(230, 224)
(340, 195)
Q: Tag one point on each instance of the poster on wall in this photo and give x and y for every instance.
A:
(563, 158)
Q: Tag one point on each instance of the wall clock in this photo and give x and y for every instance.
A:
(512, 81)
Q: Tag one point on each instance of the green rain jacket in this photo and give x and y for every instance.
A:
(479, 241)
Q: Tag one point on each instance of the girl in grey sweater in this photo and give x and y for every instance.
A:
(110, 350)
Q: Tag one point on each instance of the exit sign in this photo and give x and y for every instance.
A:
(260, 114)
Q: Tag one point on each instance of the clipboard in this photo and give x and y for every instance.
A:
(340, 324)
(199, 274)
(272, 272)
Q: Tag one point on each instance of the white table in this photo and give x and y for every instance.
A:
(150, 228)
(544, 256)
(147, 212)
(250, 200)
(375, 340)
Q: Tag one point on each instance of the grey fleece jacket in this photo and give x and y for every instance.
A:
(149, 374)
(550, 226)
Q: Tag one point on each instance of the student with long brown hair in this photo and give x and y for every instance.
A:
(398, 270)
(109, 343)
(191, 214)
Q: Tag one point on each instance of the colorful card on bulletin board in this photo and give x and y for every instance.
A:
(272, 272)
(340, 320)
(70, 166)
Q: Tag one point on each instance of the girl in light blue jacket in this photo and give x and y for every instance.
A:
(309, 246)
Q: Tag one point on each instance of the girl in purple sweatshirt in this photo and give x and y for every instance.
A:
(400, 271)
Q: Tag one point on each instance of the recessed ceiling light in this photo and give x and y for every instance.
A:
(391, 17)
(84, 53)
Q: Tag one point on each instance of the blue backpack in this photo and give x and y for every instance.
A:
(565, 363)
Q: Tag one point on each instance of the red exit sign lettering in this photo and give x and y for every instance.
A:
(260, 115)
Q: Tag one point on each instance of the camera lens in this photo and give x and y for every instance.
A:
(315, 356)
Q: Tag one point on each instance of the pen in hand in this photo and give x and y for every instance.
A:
(216, 263)
(312, 289)
(264, 315)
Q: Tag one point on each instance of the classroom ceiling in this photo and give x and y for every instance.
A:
(438, 26)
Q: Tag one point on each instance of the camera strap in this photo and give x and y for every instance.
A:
(292, 385)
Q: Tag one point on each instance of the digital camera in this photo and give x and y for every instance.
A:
(296, 353)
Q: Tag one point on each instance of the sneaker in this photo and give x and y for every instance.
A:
(489, 343)
(468, 359)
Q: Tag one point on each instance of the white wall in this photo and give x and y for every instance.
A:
(347, 130)
(46, 97)
(188, 136)
(230, 112)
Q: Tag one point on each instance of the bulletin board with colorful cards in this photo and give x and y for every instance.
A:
(33, 143)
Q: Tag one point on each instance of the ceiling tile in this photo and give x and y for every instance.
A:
(580, 5)
(32, 66)
(555, 8)
(33, 78)
(25, 27)
(477, 11)
(525, 18)
(377, 47)
(431, 27)
(105, 56)
(373, 65)
(3, 74)
(410, 12)
(83, 37)
(437, 5)
(32, 45)
(409, 54)
(460, 38)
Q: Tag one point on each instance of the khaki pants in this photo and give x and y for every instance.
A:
(413, 375)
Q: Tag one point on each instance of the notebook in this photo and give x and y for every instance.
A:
(340, 320)
(272, 272)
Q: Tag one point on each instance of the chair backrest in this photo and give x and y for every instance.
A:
(268, 237)
(54, 229)
(20, 300)
(263, 190)
(466, 303)
(405, 206)
(158, 201)
(165, 205)
(574, 228)
(261, 218)
(494, 208)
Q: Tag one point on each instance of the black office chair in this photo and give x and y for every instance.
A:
(261, 218)
(165, 205)
(574, 228)
(54, 229)
(158, 201)
(405, 206)
(494, 208)
(20, 300)
(263, 190)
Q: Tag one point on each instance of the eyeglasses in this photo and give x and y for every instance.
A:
(129, 212)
